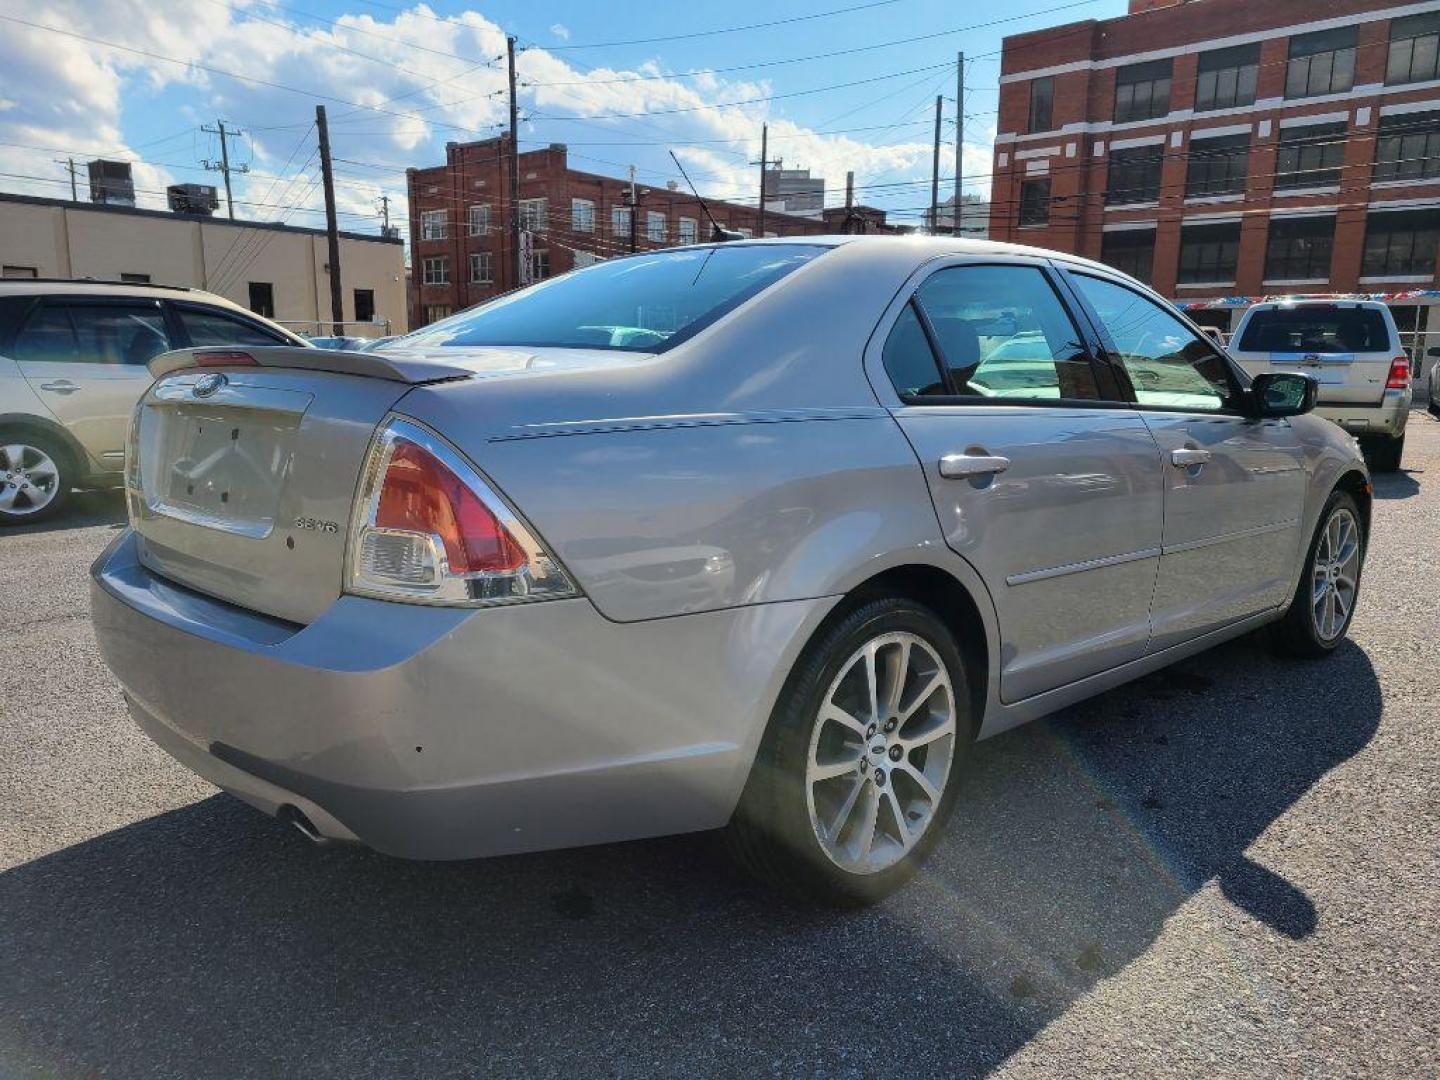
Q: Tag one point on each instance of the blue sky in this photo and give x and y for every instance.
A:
(400, 79)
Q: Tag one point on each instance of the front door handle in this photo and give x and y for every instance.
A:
(1188, 458)
(961, 466)
(60, 386)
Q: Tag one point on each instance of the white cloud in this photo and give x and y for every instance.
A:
(561, 31)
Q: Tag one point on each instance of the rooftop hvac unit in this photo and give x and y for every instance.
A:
(110, 183)
(192, 198)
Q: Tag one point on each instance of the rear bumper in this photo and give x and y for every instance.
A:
(1387, 418)
(439, 733)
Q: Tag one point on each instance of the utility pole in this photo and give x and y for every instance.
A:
(224, 164)
(764, 164)
(959, 136)
(69, 165)
(634, 214)
(849, 201)
(519, 274)
(385, 214)
(332, 234)
(935, 171)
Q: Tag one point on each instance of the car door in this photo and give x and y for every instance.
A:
(1234, 485)
(1042, 481)
(85, 359)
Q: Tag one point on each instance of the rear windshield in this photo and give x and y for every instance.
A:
(646, 303)
(1316, 329)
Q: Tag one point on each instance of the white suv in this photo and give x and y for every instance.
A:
(1352, 348)
(72, 367)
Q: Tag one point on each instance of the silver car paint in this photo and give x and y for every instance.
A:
(714, 506)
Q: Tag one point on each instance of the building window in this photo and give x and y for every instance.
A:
(1209, 253)
(534, 214)
(747, 233)
(1321, 63)
(620, 222)
(432, 225)
(480, 268)
(1310, 156)
(585, 258)
(1131, 252)
(19, 272)
(655, 227)
(135, 279)
(1218, 166)
(1134, 175)
(1227, 78)
(1142, 91)
(1408, 147)
(1042, 101)
(1400, 244)
(477, 220)
(436, 270)
(582, 216)
(1035, 202)
(262, 298)
(435, 312)
(1299, 249)
(1414, 49)
(688, 230)
(539, 265)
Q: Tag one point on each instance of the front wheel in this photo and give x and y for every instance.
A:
(1324, 601)
(33, 477)
(858, 770)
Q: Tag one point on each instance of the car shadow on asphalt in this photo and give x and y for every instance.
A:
(104, 506)
(212, 941)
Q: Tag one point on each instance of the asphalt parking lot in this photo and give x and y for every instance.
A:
(1230, 868)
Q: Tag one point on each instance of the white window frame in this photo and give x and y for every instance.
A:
(654, 235)
(433, 225)
(481, 272)
(477, 220)
(582, 215)
(688, 230)
(620, 221)
(534, 214)
(435, 270)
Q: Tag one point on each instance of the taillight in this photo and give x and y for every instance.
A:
(428, 528)
(1399, 374)
(224, 358)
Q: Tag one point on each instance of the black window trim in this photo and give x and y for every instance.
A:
(1100, 367)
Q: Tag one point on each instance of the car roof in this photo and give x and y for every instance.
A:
(1318, 301)
(934, 245)
(96, 287)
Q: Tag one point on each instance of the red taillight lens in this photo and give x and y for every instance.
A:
(419, 494)
(224, 358)
(1399, 374)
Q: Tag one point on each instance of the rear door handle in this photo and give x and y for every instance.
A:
(1188, 458)
(60, 386)
(960, 466)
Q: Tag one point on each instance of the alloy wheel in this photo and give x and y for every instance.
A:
(29, 479)
(1335, 574)
(881, 753)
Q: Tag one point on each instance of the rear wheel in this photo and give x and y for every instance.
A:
(858, 770)
(1324, 601)
(34, 477)
(1385, 454)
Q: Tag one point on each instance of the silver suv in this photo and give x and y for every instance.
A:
(72, 367)
(1352, 348)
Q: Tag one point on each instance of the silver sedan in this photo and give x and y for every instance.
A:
(757, 536)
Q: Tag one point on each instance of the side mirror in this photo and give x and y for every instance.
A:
(1283, 393)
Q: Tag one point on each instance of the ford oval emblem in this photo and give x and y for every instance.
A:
(209, 384)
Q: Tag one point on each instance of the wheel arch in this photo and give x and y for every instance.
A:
(1355, 484)
(80, 464)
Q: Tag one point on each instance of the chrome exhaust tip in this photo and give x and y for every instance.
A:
(295, 816)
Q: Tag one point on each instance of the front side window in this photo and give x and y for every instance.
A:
(436, 270)
(1170, 366)
(1414, 49)
(1209, 254)
(1142, 91)
(644, 303)
(582, 216)
(1400, 244)
(1001, 333)
(1316, 328)
(1131, 251)
(432, 225)
(1042, 103)
(217, 328)
(1321, 63)
(92, 334)
(1310, 156)
(1408, 147)
(1134, 175)
(477, 220)
(1299, 249)
(1035, 202)
(1227, 78)
(534, 214)
(1218, 166)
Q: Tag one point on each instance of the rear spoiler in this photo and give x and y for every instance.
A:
(365, 365)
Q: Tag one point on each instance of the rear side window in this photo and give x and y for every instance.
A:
(909, 360)
(213, 328)
(1316, 329)
(647, 303)
(92, 334)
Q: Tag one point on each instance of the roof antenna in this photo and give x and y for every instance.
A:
(719, 236)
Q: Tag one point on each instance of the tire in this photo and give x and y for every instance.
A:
(776, 833)
(1434, 405)
(1386, 453)
(37, 485)
(1303, 632)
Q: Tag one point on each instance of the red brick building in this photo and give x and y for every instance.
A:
(1222, 148)
(461, 249)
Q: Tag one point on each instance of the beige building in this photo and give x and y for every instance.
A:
(279, 271)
